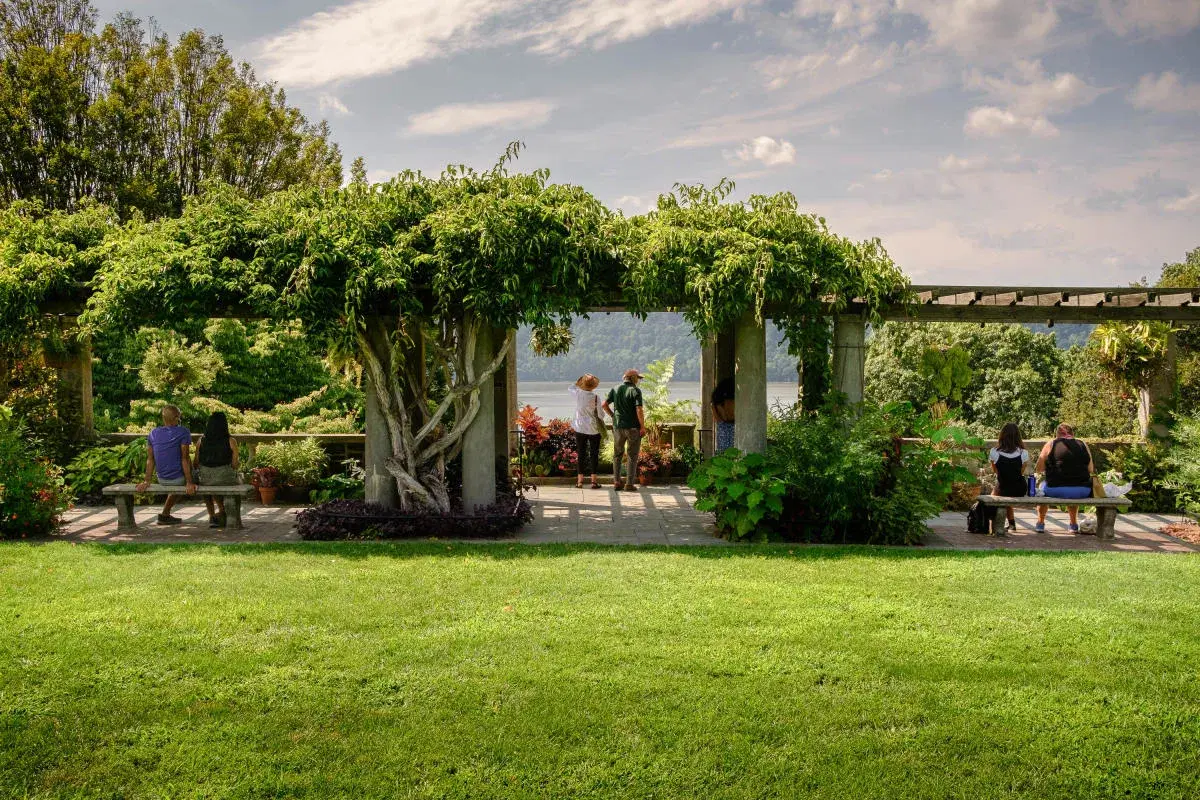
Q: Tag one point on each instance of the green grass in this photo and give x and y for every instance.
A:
(428, 670)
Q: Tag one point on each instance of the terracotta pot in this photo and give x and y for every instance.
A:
(644, 479)
(266, 494)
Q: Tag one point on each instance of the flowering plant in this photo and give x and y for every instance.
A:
(264, 477)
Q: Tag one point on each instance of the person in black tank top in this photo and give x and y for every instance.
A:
(1008, 459)
(1068, 465)
(216, 462)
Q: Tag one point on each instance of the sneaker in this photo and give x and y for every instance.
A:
(630, 488)
(1040, 527)
(1012, 526)
(167, 519)
(1073, 528)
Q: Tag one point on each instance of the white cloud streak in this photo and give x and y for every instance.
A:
(1156, 17)
(1030, 96)
(1166, 93)
(331, 104)
(990, 121)
(461, 117)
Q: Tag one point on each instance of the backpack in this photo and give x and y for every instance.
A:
(977, 518)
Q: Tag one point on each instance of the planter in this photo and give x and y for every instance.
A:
(266, 494)
(645, 479)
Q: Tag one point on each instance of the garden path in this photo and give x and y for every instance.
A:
(656, 515)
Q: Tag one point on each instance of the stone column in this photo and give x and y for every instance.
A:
(750, 385)
(479, 441)
(505, 400)
(74, 370)
(850, 356)
(708, 382)
(380, 485)
(1156, 398)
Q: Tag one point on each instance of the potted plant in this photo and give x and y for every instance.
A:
(652, 460)
(266, 480)
(566, 461)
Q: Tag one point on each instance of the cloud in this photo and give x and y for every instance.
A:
(601, 23)
(331, 104)
(953, 163)
(830, 70)
(1166, 93)
(1189, 202)
(461, 117)
(771, 152)
(1030, 96)
(992, 122)
(1158, 17)
(635, 204)
(376, 37)
(1150, 191)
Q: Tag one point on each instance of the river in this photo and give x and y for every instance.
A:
(552, 399)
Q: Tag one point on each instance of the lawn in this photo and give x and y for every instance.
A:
(428, 670)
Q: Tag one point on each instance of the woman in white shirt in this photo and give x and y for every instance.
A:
(1008, 459)
(588, 426)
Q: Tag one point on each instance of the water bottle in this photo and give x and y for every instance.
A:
(1032, 486)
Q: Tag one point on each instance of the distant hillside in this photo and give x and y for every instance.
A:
(608, 344)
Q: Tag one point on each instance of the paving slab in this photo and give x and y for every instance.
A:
(656, 515)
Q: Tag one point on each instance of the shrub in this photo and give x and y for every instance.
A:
(1183, 464)
(32, 494)
(97, 467)
(742, 490)
(348, 485)
(1144, 466)
(354, 519)
(300, 463)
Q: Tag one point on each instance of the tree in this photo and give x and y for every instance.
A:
(137, 122)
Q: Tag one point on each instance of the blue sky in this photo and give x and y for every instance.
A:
(984, 141)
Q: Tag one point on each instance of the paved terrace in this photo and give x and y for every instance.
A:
(658, 515)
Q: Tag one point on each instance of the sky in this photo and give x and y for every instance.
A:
(989, 142)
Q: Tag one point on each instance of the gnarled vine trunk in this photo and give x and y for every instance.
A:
(401, 360)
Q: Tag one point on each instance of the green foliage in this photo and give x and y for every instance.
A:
(656, 395)
(1133, 352)
(172, 367)
(1186, 274)
(140, 122)
(742, 490)
(948, 372)
(347, 485)
(1182, 463)
(851, 478)
(1145, 466)
(300, 463)
(1097, 403)
(551, 340)
(1016, 373)
(32, 494)
(720, 260)
(97, 467)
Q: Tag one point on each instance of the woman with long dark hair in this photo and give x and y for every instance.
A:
(216, 461)
(1008, 459)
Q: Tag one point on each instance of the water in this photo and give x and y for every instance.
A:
(552, 400)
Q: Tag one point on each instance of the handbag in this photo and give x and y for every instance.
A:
(1097, 487)
(599, 420)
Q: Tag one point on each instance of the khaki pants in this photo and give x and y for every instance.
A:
(622, 437)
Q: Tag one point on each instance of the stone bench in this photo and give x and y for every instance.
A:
(1106, 509)
(123, 494)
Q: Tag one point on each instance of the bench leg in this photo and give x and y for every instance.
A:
(995, 526)
(125, 520)
(1106, 523)
(235, 517)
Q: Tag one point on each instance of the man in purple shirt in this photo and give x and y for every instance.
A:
(169, 456)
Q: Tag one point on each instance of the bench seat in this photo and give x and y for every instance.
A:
(1106, 508)
(123, 494)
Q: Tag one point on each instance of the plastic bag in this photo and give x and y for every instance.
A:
(1113, 490)
(1087, 524)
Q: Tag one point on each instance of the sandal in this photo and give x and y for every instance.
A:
(595, 485)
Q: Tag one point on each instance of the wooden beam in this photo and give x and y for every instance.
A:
(1174, 299)
(1091, 299)
(1003, 299)
(1130, 300)
(1048, 299)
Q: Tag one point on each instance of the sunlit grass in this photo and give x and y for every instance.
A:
(431, 670)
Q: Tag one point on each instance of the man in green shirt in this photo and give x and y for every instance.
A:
(624, 405)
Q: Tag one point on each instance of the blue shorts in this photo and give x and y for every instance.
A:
(1068, 492)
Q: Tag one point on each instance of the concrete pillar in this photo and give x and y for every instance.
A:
(504, 385)
(479, 441)
(1157, 397)
(724, 355)
(74, 370)
(380, 485)
(850, 356)
(708, 382)
(750, 385)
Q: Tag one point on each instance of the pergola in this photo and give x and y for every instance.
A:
(740, 353)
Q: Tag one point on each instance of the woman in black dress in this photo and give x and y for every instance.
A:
(1008, 459)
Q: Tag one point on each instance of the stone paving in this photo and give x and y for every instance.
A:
(655, 515)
